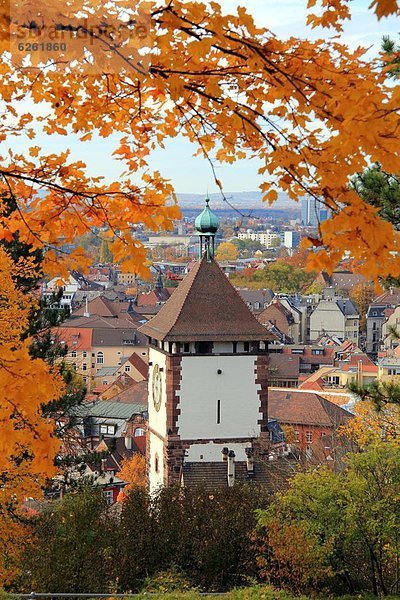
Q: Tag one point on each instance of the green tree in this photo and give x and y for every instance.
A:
(391, 56)
(382, 190)
(79, 546)
(337, 533)
(314, 288)
(105, 252)
(280, 277)
(226, 251)
(250, 245)
(71, 549)
(380, 394)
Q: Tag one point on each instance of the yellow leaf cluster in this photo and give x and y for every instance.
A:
(27, 443)
(370, 426)
(133, 471)
(313, 113)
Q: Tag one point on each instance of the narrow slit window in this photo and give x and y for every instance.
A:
(218, 412)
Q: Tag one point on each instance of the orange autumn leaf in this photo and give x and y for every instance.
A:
(133, 471)
(27, 442)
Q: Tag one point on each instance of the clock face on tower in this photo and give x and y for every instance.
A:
(157, 387)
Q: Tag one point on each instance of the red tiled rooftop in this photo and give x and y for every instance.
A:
(303, 408)
(74, 337)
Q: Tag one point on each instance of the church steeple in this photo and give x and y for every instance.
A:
(206, 225)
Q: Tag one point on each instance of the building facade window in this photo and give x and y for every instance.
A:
(107, 429)
(84, 367)
(139, 432)
(109, 496)
(84, 354)
(100, 358)
(73, 354)
(309, 437)
(127, 368)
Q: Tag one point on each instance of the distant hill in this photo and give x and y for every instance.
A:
(238, 199)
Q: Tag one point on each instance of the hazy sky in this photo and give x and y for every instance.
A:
(193, 175)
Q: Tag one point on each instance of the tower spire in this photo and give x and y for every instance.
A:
(206, 225)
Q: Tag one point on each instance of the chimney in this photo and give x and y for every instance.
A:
(86, 313)
(250, 460)
(225, 452)
(231, 468)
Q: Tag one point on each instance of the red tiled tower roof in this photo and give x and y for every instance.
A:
(205, 307)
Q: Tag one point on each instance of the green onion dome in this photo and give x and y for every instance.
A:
(207, 222)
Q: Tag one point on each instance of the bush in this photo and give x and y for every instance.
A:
(171, 539)
(168, 581)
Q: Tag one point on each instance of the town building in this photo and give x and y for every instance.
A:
(376, 316)
(285, 318)
(269, 238)
(256, 300)
(208, 376)
(336, 316)
(95, 342)
(311, 422)
(313, 212)
(389, 369)
(60, 293)
(342, 280)
(288, 362)
(290, 239)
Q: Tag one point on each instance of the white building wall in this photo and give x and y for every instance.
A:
(235, 388)
(157, 422)
(156, 451)
(327, 317)
(157, 419)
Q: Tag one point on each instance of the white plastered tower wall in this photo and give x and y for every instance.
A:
(218, 399)
(157, 426)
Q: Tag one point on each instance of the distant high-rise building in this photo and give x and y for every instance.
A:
(290, 239)
(313, 211)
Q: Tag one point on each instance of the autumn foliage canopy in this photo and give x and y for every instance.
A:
(314, 113)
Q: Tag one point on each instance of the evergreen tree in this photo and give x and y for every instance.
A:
(382, 190)
(392, 56)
